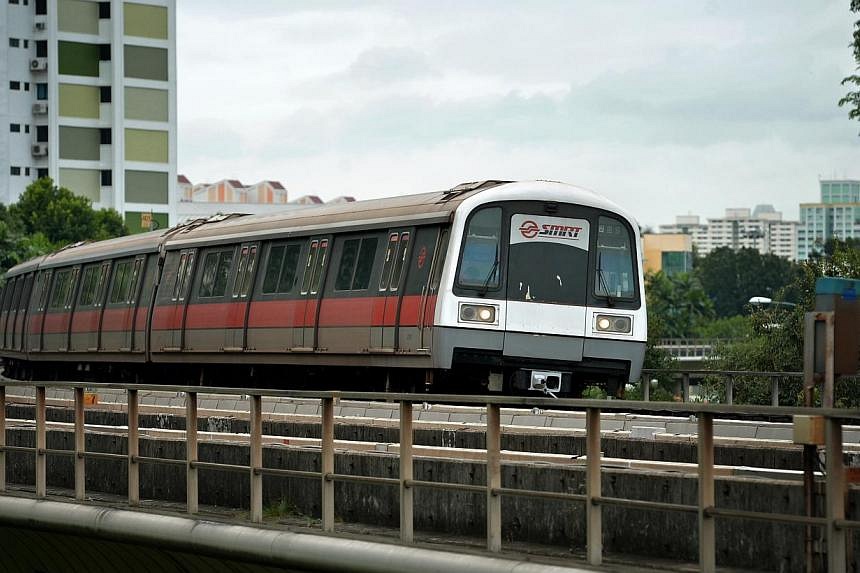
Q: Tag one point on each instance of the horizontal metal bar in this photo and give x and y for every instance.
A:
(26, 449)
(769, 517)
(363, 479)
(538, 494)
(643, 504)
(846, 524)
(217, 466)
(165, 461)
(70, 453)
(288, 473)
(105, 456)
(444, 485)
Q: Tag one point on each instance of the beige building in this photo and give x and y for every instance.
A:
(668, 252)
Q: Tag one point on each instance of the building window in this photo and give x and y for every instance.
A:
(13, 1)
(15, 86)
(104, 94)
(41, 7)
(42, 172)
(14, 42)
(107, 178)
(26, 43)
(15, 170)
(41, 48)
(27, 128)
(26, 86)
(27, 171)
(15, 127)
(105, 136)
(42, 133)
(104, 10)
(104, 52)
(41, 91)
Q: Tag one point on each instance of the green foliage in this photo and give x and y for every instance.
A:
(731, 277)
(593, 393)
(728, 328)
(852, 98)
(677, 304)
(46, 218)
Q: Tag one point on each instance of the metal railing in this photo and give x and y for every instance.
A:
(834, 522)
(685, 377)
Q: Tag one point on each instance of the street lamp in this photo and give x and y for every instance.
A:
(763, 300)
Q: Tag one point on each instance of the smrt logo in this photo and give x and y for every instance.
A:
(530, 230)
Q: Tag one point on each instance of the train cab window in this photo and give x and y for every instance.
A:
(479, 266)
(614, 277)
(216, 274)
(399, 261)
(281, 269)
(356, 264)
(61, 289)
(121, 285)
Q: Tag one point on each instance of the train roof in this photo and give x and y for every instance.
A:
(426, 208)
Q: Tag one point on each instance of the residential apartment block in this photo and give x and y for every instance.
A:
(762, 229)
(88, 97)
(837, 216)
(671, 253)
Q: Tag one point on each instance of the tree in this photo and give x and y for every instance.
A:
(731, 277)
(852, 98)
(46, 218)
(677, 304)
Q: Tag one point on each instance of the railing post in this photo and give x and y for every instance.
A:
(730, 389)
(494, 478)
(327, 465)
(80, 446)
(835, 491)
(593, 511)
(133, 449)
(406, 473)
(256, 462)
(646, 389)
(41, 444)
(2, 438)
(774, 392)
(707, 535)
(685, 382)
(191, 492)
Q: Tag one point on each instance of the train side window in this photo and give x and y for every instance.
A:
(390, 254)
(281, 269)
(249, 272)
(121, 283)
(186, 276)
(216, 274)
(59, 290)
(180, 273)
(356, 264)
(479, 266)
(318, 269)
(88, 286)
(101, 284)
(240, 274)
(440, 262)
(135, 278)
(70, 289)
(309, 267)
(399, 261)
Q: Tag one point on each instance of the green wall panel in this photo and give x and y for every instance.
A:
(79, 143)
(145, 21)
(146, 104)
(133, 221)
(145, 63)
(79, 59)
(77, 16)
(84, 182)
(79, 101)
(146, 187)
(146, 145)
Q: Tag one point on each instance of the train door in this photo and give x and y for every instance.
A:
(304, 333)
(240, 297)
(8, 305)
(36, 316)
(179, 298)
(386, 304)
(129, 312)
(144, 300)
(18, 334)
(65, 326)
(418, 270)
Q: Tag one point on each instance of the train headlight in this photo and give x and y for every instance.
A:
(481, 313)
(612, 323)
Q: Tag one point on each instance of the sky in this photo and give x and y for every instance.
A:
(665, 107)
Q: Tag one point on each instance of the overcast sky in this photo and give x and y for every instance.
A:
(665, 107)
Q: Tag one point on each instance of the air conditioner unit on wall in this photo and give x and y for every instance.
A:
(39, 149)
(40, 108)
(40, 25)
(38, 64)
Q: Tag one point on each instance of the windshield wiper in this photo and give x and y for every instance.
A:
(603, 284)
(486, 286)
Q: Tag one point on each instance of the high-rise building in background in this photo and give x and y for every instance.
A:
(671, 253)
(88, 97)
(836, 216)
(763, 229)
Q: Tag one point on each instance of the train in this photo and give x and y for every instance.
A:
(525, 288)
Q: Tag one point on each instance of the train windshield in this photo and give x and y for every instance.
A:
(614, 276)
(548, 259)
